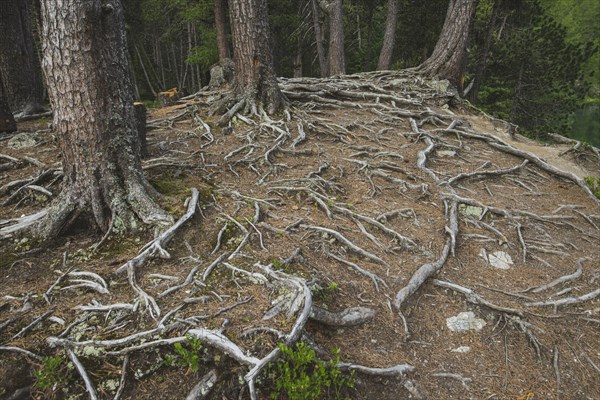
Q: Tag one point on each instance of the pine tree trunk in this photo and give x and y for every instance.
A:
(254, 78)
(85, 62)
(449, 56)
(389, 39)
(337, 64)
(482, 64)
(18, 58)
(319, 38)
(221, 25)
(7, 122)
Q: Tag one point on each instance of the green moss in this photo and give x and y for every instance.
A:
(169, 186)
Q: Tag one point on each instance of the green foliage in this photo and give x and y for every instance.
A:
(586, 123)
(49, 373)
(301, 375)
(594, 185)
(325, 293)
(187, 355)
(534, 73)
(205, 55)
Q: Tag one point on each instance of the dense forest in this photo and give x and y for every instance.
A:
(532, 62)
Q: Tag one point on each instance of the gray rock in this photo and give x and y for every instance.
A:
(23, 141)
(497, 259)
(465, 321)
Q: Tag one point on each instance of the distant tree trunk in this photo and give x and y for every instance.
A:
(367, 62)
(221, 25)
(255, 84)
(18, 58)
(389, 39)
(449, 56)
(85, 62)
(7, 122)
(298, 60)
(319, 38)
(482, 62)
(337, 63)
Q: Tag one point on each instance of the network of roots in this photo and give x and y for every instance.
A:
(361, 217)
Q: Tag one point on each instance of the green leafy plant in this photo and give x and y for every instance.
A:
(186, 355)
(326, 293)
(301, 375)
(594, 185)
(49, 373)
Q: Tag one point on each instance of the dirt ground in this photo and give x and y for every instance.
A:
(361, 188)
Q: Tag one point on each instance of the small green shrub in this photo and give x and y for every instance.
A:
(187, 355)
(325, 293)
(49, 374)
(301, 375)
(594, 185)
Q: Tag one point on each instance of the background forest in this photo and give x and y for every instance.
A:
(533, 63)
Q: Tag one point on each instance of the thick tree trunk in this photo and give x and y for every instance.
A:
(316, 15)
(18, 58)
(337, 65)
(389, 39)
(85, 62)
(449, 56)
(255, 83)
(221, 25)
(7, 122)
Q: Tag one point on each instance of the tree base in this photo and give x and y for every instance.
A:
(126, 213)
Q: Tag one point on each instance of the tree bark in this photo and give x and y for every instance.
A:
(316, 16)
(221, 25)
(254, 83)
(18, 58)
(337, 65)
(7, 122)
(389, 39)
(85, 62)
(449, 56)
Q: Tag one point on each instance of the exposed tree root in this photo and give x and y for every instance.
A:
(377, 193)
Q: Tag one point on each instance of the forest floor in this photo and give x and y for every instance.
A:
(368, 185)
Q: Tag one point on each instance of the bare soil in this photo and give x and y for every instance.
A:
(359, 154)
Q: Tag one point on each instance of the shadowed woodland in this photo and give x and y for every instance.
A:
(299, 199)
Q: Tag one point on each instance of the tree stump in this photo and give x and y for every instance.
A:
(221, 74)
(140, 117)
(168, 98)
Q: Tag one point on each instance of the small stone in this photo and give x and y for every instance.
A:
(497, 259)
(461, 349)
(446, 153)
(473, 211)
(465, 321)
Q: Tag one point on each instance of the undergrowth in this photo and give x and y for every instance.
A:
(301, 375)
(187, 355)
(594, 185)
(49, 374)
